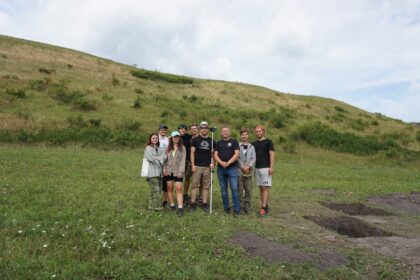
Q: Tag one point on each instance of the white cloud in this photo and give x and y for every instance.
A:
(329, 48)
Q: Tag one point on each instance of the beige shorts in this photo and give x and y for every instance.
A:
(202, 175)
(262, 178)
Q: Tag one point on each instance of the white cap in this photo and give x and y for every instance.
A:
(204, 124)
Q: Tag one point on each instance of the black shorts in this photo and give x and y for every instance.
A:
(172, 178)
(164, 187)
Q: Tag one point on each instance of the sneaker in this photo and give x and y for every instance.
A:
(186, 198)
(164, 204)
(267, 210)
(227, 211)
(236, 214)
(180, 212)
(193, 207)
(205, 207)
(263, 213)
(173, 207)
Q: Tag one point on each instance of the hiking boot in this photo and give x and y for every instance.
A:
(186, 198)
(164, 204)
(267, 210)
(193, 207)
(227, 211)
(180, 212)
(236, 214)
(205, 207)
(263, 213)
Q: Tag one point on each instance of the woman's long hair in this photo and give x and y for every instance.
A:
(171, 144)
(150, 140)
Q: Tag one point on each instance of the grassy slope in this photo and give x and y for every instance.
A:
(78, 207)
(20, 61)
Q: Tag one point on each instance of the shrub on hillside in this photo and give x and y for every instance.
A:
(38, 85)
(340, 109)
(18, 93)
(136, 104)
(77, 122)
(115, 81)
(158, 76)
(45, 70)
(418, 136)
(320, 135)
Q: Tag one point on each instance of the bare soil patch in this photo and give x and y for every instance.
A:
(275, 252)
(407, 203)
(404, 249)
(349, 226)
(355, 209)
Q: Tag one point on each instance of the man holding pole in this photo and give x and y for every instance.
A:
(226, 154)
(201, 164)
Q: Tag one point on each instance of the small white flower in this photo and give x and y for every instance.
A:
(45, 245)
(20, 231)
(43, 231)
(53, 276)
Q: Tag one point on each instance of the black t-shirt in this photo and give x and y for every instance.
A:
(226, 149)
(186, 140)
(262, 151)
(203, 150)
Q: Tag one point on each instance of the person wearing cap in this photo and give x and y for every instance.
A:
(164, 142)
(174, 169)
(226, 154)
(186, 140)
(202, 164)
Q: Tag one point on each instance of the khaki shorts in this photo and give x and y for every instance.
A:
(202, 175)
(262, 178)
(188, 169)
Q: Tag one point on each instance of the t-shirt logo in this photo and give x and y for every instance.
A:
(204, 145)
(229, 145)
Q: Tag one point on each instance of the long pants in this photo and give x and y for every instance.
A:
(155, 202)
(225, 176)
(245, 192)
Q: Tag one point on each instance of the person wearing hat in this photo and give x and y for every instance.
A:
(164, 142)
(174, 169)
(202, 164)
(186, 140)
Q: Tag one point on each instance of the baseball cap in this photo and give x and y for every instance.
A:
(204, 124)
(184, 126)
(174, 133)
(163, 126)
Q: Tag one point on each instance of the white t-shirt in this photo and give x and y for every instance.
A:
(163, 142)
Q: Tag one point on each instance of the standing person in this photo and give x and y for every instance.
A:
(226, 154)
(194, 130)
(246, 162)
(264, 150)
(194, 133)
(186, 140)
(202, 164)
(164, 142)
(156, 157)
(174, 169)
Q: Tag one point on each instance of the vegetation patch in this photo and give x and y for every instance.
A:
(158, 76)
(76, 99)
(18, 93)
(355, 209)
(349, 226)
(323, 136)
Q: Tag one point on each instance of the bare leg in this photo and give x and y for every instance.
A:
(179, 196)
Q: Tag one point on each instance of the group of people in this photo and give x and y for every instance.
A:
(184, 159)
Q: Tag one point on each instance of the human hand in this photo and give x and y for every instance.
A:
(270, 171)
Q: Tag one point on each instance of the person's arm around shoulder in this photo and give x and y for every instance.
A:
(181, 169)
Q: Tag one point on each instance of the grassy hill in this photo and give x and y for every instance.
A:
(56, 95)
(80, 212)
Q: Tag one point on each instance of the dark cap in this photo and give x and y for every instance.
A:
(163, 126)
(184, 126)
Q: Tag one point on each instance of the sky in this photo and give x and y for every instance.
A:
(363, 52)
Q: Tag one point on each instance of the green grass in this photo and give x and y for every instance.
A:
(81, 214)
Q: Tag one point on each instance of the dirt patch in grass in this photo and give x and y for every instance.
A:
(355, 209)
(349, 226)
(275, 252)
(407, 203)
(404, 249)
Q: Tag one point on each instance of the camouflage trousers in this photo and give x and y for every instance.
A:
(245, 192)
(155, 201)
